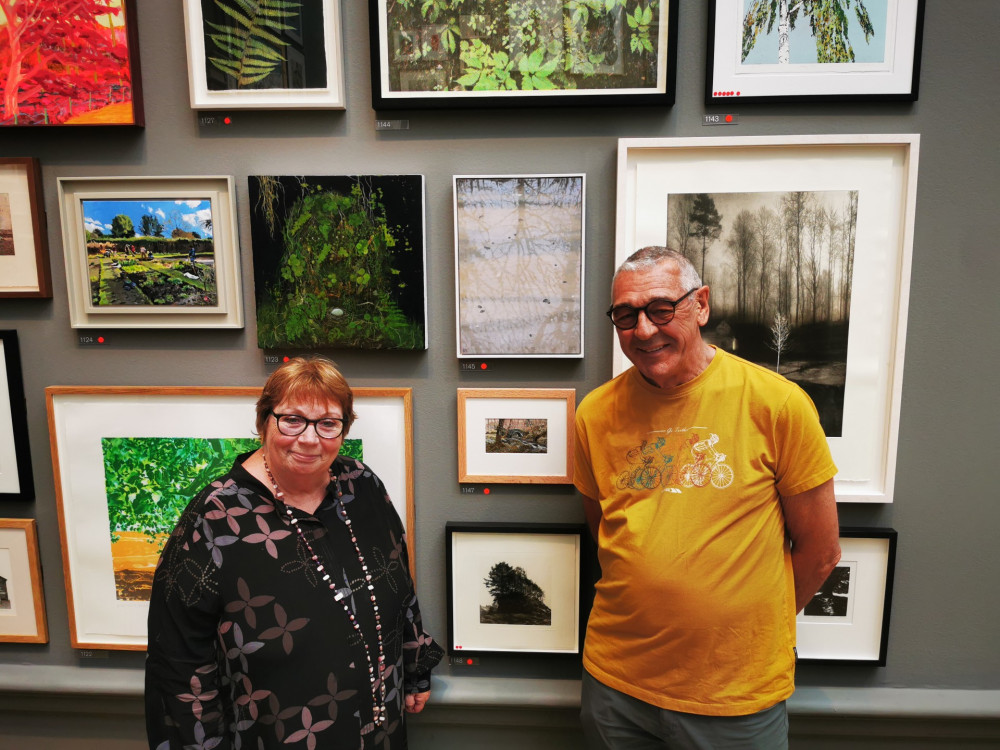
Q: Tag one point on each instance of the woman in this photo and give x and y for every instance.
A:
(282, 611)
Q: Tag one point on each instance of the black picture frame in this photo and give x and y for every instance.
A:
(21, 487)
(555, 554)
(429, 52)
(847, 622)
(727, 81)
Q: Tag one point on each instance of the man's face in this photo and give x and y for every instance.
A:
(673, 353)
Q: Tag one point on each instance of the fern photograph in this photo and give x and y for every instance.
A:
(264, 44)
(339, 261)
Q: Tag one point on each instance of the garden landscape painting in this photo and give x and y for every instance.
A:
(150, 252)
(780, 266)
(339, 261)
(68, 63)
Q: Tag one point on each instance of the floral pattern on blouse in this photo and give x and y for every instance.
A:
(248, 648)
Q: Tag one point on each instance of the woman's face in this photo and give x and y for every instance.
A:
(307, 453)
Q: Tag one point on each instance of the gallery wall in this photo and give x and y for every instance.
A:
(943, 619)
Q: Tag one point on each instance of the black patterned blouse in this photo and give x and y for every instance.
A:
(249, 649)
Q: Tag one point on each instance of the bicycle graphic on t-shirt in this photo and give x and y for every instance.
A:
(651, 467)
(707, 464)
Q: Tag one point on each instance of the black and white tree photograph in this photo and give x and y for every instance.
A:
(780, 267)
(515, 599)
(833, 597)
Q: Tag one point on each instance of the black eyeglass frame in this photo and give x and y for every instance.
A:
(658, 301)
(313, 422)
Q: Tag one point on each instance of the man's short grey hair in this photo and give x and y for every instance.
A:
(653, 255)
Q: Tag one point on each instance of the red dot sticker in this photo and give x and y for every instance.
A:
(486, 491)
(470, 662)
(482, 366)
(227, 120)
(286, 358)
(100, 339)
(729, 118)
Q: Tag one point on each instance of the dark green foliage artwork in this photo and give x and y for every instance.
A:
(150, 480)
(338, 261)
(264, 44)
(522, 45)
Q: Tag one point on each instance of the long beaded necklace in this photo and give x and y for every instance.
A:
(379, 710)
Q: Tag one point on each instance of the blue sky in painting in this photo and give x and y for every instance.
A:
(802, 46)
(186, 215)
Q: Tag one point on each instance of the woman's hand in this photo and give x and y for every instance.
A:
(415, 702)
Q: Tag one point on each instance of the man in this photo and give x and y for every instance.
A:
(708, 484)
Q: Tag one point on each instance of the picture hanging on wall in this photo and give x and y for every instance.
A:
(805, 243)
(69, 63)
(127, 460)
(503, 53)
(516, 435)
(22, 603)
(519, 247)
(151, 252)
(848, 619)
(514, 588)
(339, 261)
(24, 247)
(271, 54)
(16, 478)
(762, 51)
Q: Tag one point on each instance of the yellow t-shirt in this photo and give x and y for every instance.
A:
(695, 609)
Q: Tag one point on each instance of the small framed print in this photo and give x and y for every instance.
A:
(848, 619)
(762, 51)
(16, 478)
(519, 265)
(151, 252)
(22, 604)
(269, 55)
(514, 588)
(516, 435)
(24, 247)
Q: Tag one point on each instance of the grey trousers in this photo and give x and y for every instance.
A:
(615, 721)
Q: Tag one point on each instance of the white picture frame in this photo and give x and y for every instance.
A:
(217, 191)
(81, 416)
(330, 96)
(883, 169)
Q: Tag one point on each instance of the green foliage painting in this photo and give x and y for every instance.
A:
(338, 261)
(523, 45)
(264, 44)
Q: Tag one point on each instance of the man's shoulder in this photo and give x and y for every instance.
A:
(605, 390)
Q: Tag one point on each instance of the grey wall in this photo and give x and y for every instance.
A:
(944, 614)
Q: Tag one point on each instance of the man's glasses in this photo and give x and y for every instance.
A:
(293, 424)
(659, 311)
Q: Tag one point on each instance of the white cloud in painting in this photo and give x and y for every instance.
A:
(91, 224)
(198, 217)
(190, 203)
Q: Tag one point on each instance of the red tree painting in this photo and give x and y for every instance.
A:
(68, 62)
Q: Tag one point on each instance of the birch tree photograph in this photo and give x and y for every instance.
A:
(780, 267)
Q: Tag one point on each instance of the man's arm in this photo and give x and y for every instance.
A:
(592, 509)
(811, 524)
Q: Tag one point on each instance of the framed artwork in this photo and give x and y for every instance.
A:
(22, 604)
(125, 460)
(267, 55)
(339, 261)
(151, 252)
(514, 588)
(516, 435)
(762, 51)
(806, 243)
(504, 53)
(24, 245)
(519, 245)
(90, 71)
(848, 619)
(16, 478)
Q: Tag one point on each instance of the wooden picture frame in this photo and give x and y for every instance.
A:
(295, 61)
(524, 237)
(848, 619)
(101, 87)
(186, 274)
(91, 426)
(541, 615)
(16, 476)
(861, 387)
(24, 246)
(450, 55)
(22, 603)
(868, 56)
(535, 446)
